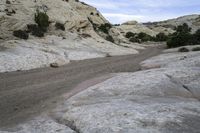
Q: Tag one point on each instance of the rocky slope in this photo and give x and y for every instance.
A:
(81, 39)
(163, 97)
(192, 20)
(167, 27)
(135, 27)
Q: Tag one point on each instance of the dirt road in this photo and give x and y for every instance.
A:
(28, 93)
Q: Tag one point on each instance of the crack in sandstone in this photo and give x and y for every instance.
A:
(72, 126)
(176, 81)
(68, 123)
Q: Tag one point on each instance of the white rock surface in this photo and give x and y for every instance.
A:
(157, 100)
(136, 28)
(173, 60)
(35, 53)
(40, 125)
(78, 42)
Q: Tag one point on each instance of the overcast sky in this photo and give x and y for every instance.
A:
(118, 11)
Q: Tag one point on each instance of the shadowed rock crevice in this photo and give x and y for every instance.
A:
(176, 81)
(69, 123)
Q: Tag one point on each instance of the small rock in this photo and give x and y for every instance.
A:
(54, 65)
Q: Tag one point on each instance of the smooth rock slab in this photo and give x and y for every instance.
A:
(173, 60)
(154, 101)
(41, 124)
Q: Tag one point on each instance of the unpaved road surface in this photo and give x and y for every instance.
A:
(28, 93)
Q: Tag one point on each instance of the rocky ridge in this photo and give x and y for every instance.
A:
(167, 26)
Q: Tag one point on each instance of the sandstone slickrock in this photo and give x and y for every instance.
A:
(167, 26)
(41, 125)
(79, 40)
(159, 100)
(135, 28)
(35, 53)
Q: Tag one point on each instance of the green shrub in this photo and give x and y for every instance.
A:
(182, 37)
(105, 27)
(130, 34)
(31, 27)
(42, 19)
(161, 37)
(134, 39)
(35, 30)
(183, 28)
(196, 49)
(183, 49)
(38, 32)
(110, 38)
(116, 24)
(21, 34)
(144, 37)
(60, 26)
(197, 36)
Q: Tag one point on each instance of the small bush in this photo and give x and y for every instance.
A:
(144, 37)
(134, 39)
(35, 30)
(183, 49)
(197, 36)
(116, 25)
(182, 37)
(110, 38)
(31, 27)
(38, 32)
(60, 26)
(42, 19)
(21, 34)
(8, 2)
(196, 49)
(105, 27)
(130, 34)
(161, 37)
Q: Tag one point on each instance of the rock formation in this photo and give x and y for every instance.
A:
(167, 27)
(73, 34)
(135, 27)
(164, 97)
